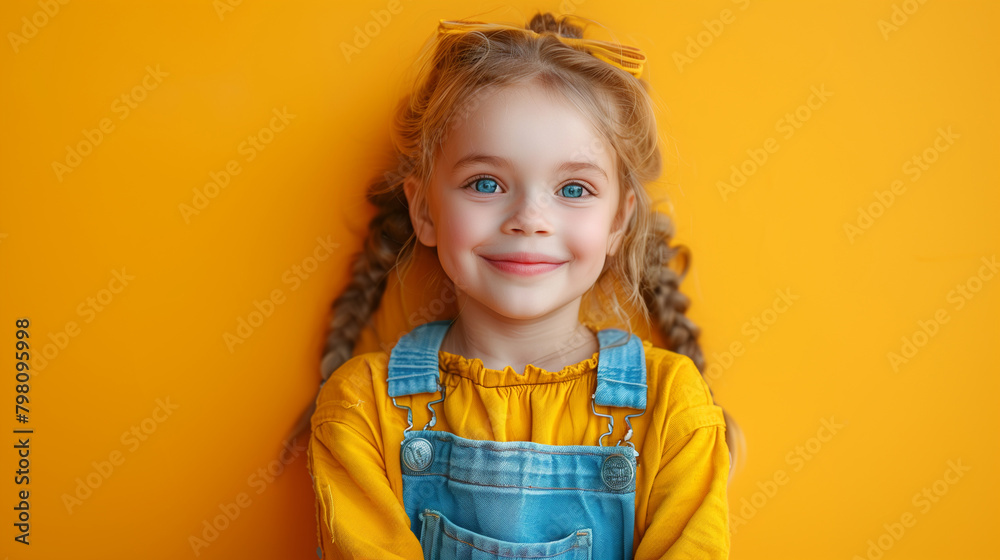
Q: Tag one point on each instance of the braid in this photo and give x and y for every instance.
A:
(667, 305)
(389, 233)
(661, 292)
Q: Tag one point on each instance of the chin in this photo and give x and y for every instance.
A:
(522, 315)
(524, 310)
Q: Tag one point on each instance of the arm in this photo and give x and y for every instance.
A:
(687, 513)
(359, 514)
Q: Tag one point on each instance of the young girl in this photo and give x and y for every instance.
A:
(525, 153)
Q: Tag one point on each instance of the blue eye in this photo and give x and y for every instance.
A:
(485, 185)
(572, 191)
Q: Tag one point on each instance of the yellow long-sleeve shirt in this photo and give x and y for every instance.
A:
(680, 497)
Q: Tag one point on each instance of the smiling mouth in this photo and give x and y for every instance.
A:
(523, 264)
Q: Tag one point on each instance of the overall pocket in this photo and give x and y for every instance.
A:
(443, 540)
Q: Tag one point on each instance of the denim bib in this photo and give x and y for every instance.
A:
(472, 499)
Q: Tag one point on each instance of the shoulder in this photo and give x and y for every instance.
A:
(678, 394)
(673, 375)
(357, 381)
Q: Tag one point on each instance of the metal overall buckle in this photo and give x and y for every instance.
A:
(409, 411)
(417, 454)
(617, 471)
(611, 426)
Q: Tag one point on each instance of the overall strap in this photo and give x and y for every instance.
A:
(621, 370)
(413, 363)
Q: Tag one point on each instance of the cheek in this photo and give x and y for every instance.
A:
(589, 237)
(463, 224)
(460, 229)
(592, 247)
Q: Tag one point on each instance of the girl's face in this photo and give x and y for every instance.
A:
(523, 204)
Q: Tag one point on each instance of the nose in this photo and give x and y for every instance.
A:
(528, 216)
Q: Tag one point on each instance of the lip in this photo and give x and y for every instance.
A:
(523, 264)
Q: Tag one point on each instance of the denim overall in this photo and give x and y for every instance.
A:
(471, 499)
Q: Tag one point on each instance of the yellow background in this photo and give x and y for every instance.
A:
(824, 358)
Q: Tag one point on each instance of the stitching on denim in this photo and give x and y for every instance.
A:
(603, 490)
(520, 449)
(622, 382)
(497, 553)
(410, 376)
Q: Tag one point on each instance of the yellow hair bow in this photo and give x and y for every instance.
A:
(629, 59)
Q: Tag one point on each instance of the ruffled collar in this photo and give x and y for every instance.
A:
(474, 370)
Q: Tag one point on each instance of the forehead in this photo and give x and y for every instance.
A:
(529, 124)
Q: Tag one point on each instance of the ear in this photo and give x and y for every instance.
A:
(420, 217)
(620, 225)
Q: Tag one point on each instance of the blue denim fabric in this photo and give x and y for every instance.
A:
(444, 540)
(471, 499)
(621, 370)
(413, 363)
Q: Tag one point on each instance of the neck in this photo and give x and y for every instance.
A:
(550, 342)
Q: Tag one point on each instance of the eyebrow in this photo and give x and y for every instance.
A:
(570, 166)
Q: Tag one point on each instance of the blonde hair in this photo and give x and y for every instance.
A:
(456, 70)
